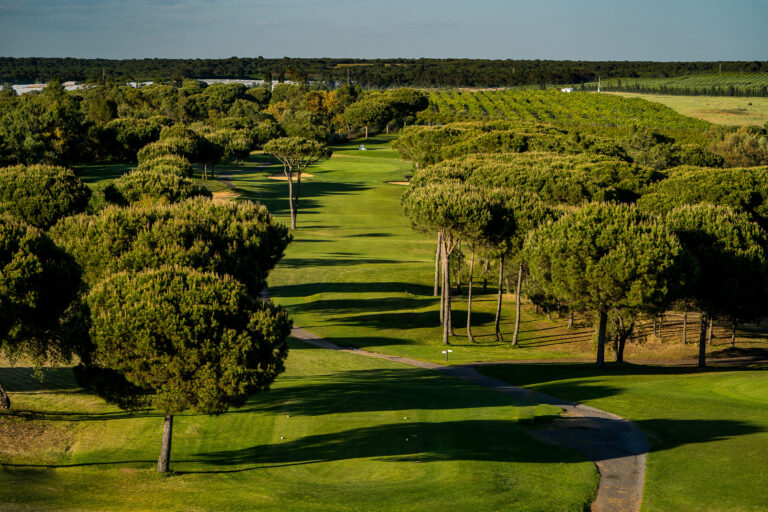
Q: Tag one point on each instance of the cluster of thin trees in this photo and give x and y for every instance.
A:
(610, 239)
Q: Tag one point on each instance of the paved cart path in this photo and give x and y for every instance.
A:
(616, 445)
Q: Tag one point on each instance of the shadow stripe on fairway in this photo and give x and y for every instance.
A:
(614, 444)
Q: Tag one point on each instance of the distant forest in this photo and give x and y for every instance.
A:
(380, 73)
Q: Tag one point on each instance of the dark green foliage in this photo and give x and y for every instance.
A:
(45, 127)
(605, 258)
(39, 286)
(372, 113)
(742, 189)
(239, 239)
(185, 339)
(41, 194)
(457, 209)
(123, 138)
(426, 145)
(168, 164)
(152, 186)
(379, 73)
(554, 178)
(729, 250)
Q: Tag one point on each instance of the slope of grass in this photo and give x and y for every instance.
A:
(708, 431)
(337, 432)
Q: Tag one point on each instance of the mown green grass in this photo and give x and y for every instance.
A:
(337, 432)
(708, 431)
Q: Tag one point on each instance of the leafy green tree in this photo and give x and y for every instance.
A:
(368, 112)
(407, 102)
(122, 138)
(39, 286)
(184, 339)
(296, 154)
(167, 164)
(605, 258)
(239, 239)
(152, 186)
(729, 252)
(40, 195)
(743, 189)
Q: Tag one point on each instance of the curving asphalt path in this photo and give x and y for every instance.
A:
(615, 445)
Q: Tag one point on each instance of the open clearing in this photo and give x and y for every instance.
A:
(715, 109)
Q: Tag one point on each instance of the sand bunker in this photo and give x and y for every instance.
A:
(281, 177)
(399, 183)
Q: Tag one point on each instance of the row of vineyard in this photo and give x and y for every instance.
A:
(553, 107)
(724, 84)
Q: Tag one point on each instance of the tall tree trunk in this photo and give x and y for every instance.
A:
(516, 332)
(570, 318)
(297, 193)
(496, 324)
(709, 331)
(289, 175)
(458, 269)
(601, 325)
(623, 337)
(469, 297)
(446, 293)
(685, 326)
(486, 267)
(703, 340)
(164, 461)
(5, 401)
(733, 334)
(437, 263)
(366, 132)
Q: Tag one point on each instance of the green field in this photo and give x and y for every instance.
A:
(715, 109)
(708, 431)
(337, 432)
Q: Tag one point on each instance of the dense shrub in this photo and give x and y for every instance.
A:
(41, 194)
(152, 186)
(239, 239)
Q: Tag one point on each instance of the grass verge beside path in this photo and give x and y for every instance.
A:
(337, 432)
(708, 431)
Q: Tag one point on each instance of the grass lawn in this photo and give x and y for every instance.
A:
(359, 275)
(715, 109)
(337, 432)
(708, 431)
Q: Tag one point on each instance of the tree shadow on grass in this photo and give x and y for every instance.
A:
(335, 261)
(305, 289)
(274, 194)
(470, 440)
(556, 378)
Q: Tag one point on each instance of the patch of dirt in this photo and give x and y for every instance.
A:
(225, 195)
(21, 436)
(404, 183)
(280, 177)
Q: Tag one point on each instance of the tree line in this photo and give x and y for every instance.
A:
(369, 73)
(111, 122)
(608, 237)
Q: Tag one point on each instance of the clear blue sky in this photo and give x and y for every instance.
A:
(544, 29)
